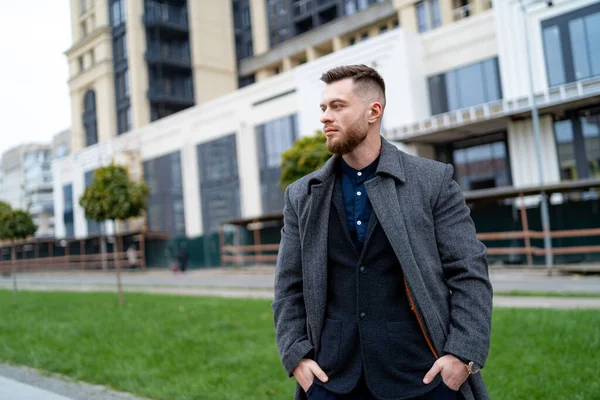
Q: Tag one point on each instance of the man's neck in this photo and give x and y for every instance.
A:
(365, 153)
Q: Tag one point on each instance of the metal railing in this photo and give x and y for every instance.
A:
(301, 7)
(461, 12)
(168, 54)
(496, 109)
(157, 12)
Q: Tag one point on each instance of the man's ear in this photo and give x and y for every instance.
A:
(375, 112)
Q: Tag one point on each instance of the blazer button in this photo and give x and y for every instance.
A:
(363, 316)
(363, 269)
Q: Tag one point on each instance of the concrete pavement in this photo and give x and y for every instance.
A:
(23, 383)
(13, 390)
(258, 283)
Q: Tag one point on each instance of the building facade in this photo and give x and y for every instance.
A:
(181, 54)
(457, 86)
(26, 177)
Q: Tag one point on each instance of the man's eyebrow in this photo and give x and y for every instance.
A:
(336, 100)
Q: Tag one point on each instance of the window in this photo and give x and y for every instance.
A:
(83, 4)
(465, 87)
(92, 57)
(117, 14)
(578, 144)
(571, 45)
(126, 82)
(68, 211)
(563, 133)
(84, 31)
(89, 118)
(165, 203)
(80, 62)
(350, 7)
(124, 120)
(219, 182)
(383, 29)
(273, 138)
(364, 36)
(479, 163)
(428, 15)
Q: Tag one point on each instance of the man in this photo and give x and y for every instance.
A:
(381, 287)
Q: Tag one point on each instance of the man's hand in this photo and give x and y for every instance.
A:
(453, 372)
(306, 370)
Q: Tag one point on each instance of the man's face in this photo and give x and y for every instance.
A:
(345, 117)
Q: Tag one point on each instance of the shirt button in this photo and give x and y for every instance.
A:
(359, 173)
(359, 223)
(363, 269)
(363, 316)
(358, 193)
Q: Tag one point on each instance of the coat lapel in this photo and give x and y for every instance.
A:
(314, 252)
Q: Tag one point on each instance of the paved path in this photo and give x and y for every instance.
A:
(13, 390)
(22, 383)
(258, 283)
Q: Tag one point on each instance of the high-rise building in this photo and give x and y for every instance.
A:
(136, 61)
(26, 176)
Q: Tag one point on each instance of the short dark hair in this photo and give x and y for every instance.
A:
(361, 74)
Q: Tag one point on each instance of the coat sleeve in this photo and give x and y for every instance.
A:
(289, 311)
(465, 268)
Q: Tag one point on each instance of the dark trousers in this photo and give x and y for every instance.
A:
(361, 392)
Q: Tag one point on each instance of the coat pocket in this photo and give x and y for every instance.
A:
(330, 345)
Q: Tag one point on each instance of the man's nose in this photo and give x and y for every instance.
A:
(325, 117)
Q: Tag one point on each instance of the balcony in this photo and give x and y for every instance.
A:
(176, 58)
(462, 12)
(166, 16)
(163, 92)
(302, 7)
(494, 116)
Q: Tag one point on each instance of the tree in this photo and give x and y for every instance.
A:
(306, 155)
(113, 196)
(15, 224)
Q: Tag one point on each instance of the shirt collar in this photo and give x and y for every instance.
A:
(369, 171)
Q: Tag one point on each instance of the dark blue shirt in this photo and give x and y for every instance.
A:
(357, 204)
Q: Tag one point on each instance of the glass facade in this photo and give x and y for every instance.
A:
(465, 87)
(93, 227)
(479, 163)
(219, 182)
(578, 144)
(89, 118)
(273, 138)
(120, 56)
(571, 45)
(68, 217)
(165, 204)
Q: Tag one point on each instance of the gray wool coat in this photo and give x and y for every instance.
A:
(424, 216)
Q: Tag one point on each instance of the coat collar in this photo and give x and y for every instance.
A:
(390, 163)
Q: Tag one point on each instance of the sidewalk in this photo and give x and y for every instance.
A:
(13, 390)
(23, 383)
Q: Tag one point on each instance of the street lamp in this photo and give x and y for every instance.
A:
(538, 142)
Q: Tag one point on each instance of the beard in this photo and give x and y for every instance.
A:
(346, 142)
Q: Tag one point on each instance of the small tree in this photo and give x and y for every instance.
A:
(306, 155)
(113, 196)
(14, 225)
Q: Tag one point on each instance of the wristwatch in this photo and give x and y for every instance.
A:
(472, 367)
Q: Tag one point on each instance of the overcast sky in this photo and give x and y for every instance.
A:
(34, 93)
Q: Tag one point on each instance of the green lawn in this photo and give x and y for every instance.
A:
(172, 347)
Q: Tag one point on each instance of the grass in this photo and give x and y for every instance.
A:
(527, 293)
(176, 347)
